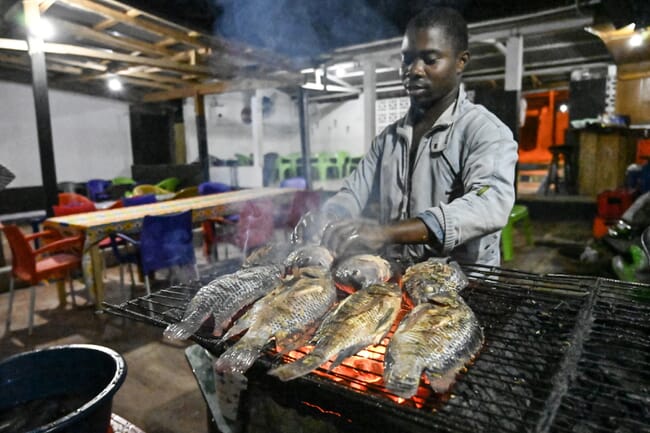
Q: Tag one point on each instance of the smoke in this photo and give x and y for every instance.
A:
(302, 28)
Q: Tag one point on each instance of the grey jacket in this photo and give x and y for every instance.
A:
(462, 183)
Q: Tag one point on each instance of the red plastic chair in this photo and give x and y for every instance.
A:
(71, 209)
(56, 260)
(71, 198)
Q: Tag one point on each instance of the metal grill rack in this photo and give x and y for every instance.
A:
(562, 354)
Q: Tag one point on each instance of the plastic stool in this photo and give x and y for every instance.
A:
(519, 212)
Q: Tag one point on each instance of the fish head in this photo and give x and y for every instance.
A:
(309, 255)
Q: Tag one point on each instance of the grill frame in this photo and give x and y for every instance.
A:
(568, 310)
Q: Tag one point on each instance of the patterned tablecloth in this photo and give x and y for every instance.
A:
(97, 225)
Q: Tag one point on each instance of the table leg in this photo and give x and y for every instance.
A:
(97, 276)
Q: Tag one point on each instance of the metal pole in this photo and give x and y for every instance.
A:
(41, 105)
(303, 108)
(202, 136)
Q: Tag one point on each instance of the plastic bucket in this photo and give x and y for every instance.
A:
(60, 389)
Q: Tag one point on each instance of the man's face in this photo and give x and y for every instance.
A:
(430, 66)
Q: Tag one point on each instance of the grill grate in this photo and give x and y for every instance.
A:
(562, 354)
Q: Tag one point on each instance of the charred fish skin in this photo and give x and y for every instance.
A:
(362, 319)
(361, 270)
(269, 254)
(223, 298)
(308, 256)
(437, 340)
(283, 314)
(433, 280)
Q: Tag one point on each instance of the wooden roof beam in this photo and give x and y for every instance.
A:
(73, 50)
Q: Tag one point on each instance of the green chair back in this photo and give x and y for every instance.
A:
(170, 184)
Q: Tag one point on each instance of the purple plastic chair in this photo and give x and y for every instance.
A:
(213, 188)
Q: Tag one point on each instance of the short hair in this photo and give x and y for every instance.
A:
(448, 19)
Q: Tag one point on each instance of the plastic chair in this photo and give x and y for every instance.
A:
(294, 182)
(340, 161)
(288, 165)
(122, 180)
(213, 188)
(213, 225)
(97, 189)
(137, 200)
(169, 185)
(55, 260)
(519, 213)
(244, 159)
(71, 198)
(352, 164)
(146, 189)
(190, 191)
(324, 163)
(165, 241)
(270, 168)
(62, 210)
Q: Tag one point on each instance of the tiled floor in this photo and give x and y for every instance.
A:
(160, 394)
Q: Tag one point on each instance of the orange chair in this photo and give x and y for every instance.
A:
(55, 260)
(71, 199)
(71, 209)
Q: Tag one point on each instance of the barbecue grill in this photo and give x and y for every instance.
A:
(562, 354)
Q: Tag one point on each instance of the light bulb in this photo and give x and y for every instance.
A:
(115, 85)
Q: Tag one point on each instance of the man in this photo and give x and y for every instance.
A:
(443, 174)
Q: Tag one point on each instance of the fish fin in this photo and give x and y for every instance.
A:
(346, 353)
(301, 367)
(239, 358)
(186, 327)
(441, 383)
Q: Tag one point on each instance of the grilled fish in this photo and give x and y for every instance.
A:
(223, 298)
(361, 270)
(285, 314)
(360, 320)
(433, 280)
(308, 255)
(270, 254)
(435, 339)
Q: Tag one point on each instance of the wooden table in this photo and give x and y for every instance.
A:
(99, 224)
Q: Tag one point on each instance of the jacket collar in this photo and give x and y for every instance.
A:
(404, 126)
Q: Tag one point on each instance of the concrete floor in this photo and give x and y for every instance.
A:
(160, 394)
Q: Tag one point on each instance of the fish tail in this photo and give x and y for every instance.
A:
(298, 368)
(186, 327)
(239, 357)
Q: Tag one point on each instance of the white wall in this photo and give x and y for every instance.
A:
(333, 126)
(91, 136)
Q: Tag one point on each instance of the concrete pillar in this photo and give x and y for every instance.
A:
(369, 99)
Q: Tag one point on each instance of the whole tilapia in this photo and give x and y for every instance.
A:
(223, 298)
(361, 270)
(435, 339)
(308, 255)
(285, 314)
(433, 280)
(360, 320)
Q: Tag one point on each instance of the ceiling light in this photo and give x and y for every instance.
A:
(42, 28)
(563, 108)
(115, 85)
(636, 40)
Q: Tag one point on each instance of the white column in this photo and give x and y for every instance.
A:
(514, 62)
(369, 98)
(258, 127)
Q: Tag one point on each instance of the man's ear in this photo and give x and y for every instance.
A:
(461, 61)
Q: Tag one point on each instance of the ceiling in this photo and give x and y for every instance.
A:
(170, 49)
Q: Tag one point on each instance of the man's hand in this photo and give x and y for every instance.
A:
(351, 237)
(310, 227)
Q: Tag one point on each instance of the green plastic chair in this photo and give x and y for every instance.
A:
(122, 180)
(288, 165)
(321, 163)
(352, 164)
(244, 159)
(519, 213)
(341, 159)
(170, 184)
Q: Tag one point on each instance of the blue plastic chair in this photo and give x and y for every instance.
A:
(294, 182)
(137, 200)
(213, 188)
(165, 241)
(98, 189)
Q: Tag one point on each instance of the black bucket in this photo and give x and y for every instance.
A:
(60, 389)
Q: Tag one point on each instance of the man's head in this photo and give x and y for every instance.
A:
(434, 55)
